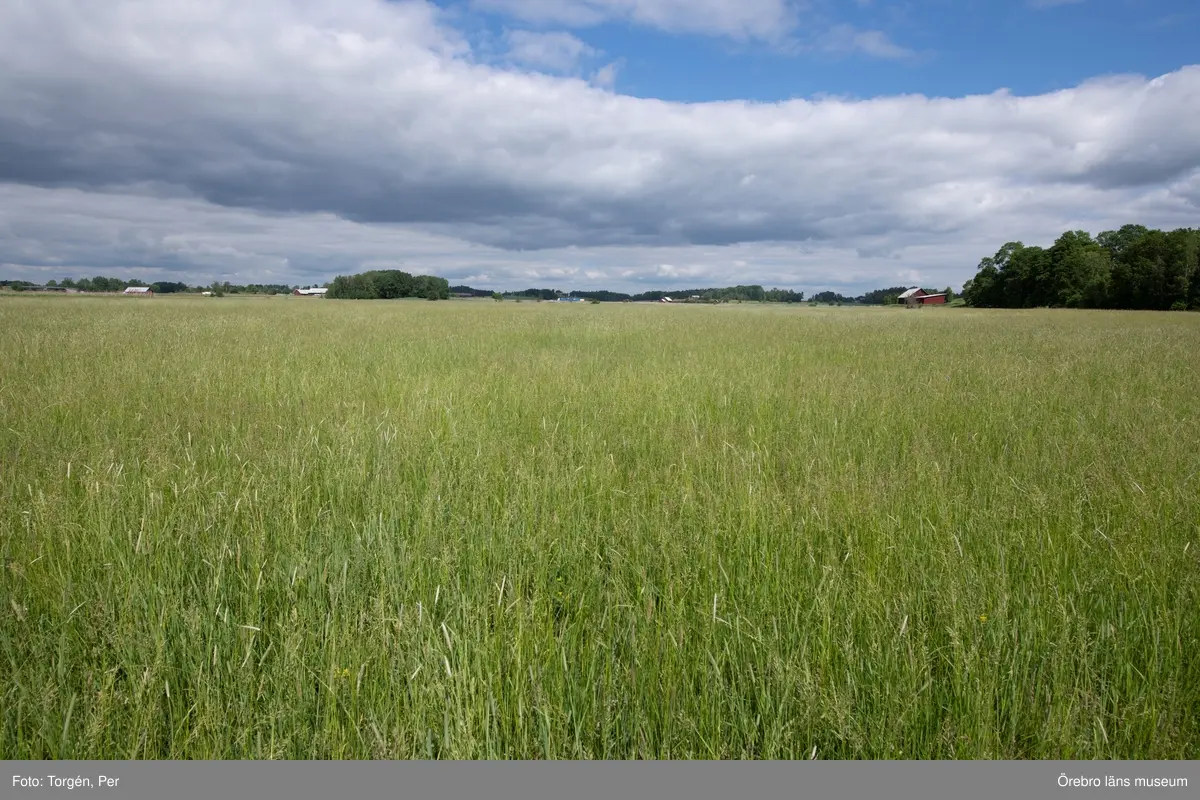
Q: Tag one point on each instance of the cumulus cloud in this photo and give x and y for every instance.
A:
(231, 136)
(557, 51)
(606, 76)
(848, 39)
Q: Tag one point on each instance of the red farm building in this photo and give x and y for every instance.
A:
(919, 297)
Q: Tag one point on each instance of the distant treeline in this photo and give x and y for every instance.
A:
(101, 283)
(387, 284)
(1133, 268)
(390, 284)
(734, 293)
(876, 297)
(467, 290)
(750, 294)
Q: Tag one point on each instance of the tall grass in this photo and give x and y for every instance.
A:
(274, 528)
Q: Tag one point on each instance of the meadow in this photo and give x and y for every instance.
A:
(294, 528)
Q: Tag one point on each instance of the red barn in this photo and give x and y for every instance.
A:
(919, 297)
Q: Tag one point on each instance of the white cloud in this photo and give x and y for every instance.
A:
(558, 51)
(847, 39)
(606, 76)
(305, 138)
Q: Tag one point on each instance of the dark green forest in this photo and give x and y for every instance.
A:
(1132, 268)
(388, 284)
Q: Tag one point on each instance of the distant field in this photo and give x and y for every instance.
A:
(316, 529)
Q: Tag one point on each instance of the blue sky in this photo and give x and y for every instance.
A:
(938, 47)
(621, 144)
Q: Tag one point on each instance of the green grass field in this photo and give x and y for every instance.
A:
(283, 528)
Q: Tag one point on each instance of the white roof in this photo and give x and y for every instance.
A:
(137, 290)
(910, 292)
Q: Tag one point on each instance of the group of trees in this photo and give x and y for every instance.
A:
(735, 293)
(875, 297)
(379, 284)
(884, 297)
(468, 291)
(602, 296)
(222, 288)
(1134, 268)
(226, 287)
(388, 284)
(101, 283)
(533, 294)
(832, 298)
(751, 294)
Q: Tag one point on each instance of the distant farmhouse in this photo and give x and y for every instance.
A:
(309, 292)
(915, 297)
(139, 291)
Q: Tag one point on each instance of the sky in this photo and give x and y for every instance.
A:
(584, 144)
